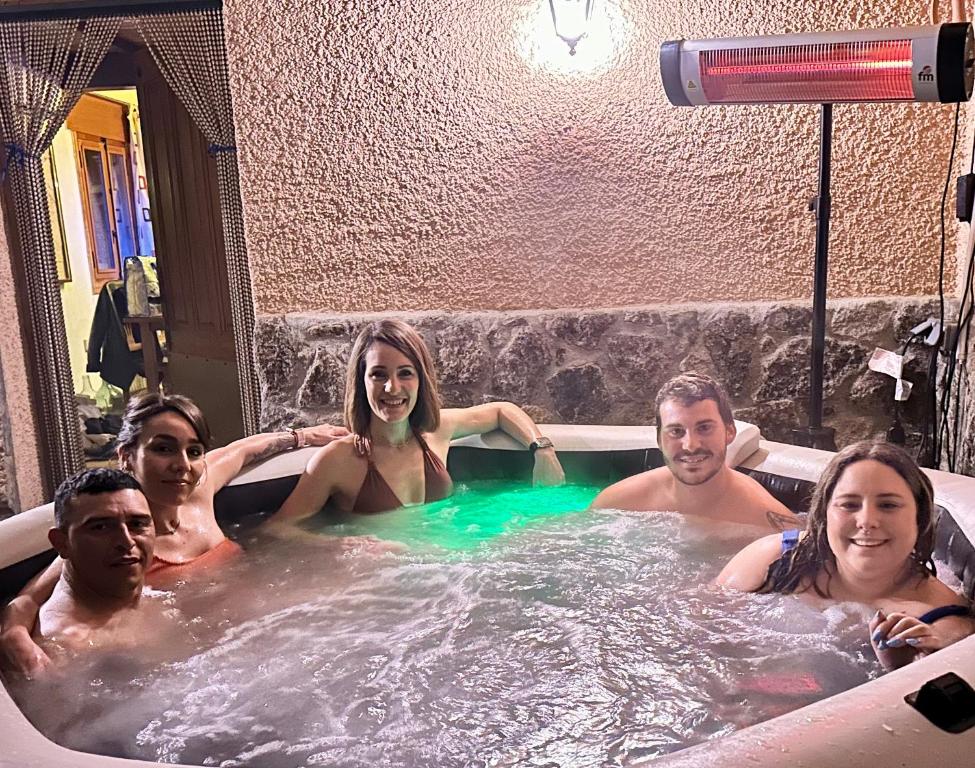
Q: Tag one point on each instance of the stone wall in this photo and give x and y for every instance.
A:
(964, 411)
(604, 367)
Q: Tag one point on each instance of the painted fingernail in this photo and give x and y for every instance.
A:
(895, 643)
(914, 641)
(882, 645)
(878, 635)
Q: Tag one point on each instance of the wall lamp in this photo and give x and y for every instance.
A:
(571, 20)
(932, 63)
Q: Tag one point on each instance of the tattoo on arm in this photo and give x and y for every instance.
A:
(778, 521)
(280, 444)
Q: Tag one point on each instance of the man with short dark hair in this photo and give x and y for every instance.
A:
(695, 426)
(104, 532)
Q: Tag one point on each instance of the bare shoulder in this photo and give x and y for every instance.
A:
(747, 570)
(334, 470)
(776, 514)
(640, 493)
(333, 456)
(55, 616)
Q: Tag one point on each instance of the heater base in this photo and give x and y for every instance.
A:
(823, 438)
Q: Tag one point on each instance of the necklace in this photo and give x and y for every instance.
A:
(395, 446)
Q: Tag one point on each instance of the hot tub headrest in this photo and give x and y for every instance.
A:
(25, 535)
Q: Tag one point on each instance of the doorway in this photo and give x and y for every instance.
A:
(154, 189)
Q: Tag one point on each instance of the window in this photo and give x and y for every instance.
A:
(101, 133)
(106, 197)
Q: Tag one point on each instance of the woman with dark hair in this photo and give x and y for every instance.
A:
(397, 450)
(164, 443)
(870, 540)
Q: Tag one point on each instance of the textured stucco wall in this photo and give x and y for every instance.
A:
(23, 480)
(406, 155)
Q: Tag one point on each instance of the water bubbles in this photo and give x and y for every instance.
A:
(582, 639)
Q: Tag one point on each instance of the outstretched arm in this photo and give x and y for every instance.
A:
(224, 464)
(515, 422)
(18, 651)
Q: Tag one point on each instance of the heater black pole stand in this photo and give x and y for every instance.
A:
(816, 435)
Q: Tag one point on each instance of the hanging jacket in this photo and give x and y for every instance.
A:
(108, 350)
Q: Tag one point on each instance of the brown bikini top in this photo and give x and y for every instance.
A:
(375, 495)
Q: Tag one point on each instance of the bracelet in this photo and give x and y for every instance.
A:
(299, 438)
(539, 443)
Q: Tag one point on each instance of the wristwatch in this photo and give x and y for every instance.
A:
(540, 442)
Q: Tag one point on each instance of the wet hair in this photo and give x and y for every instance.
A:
(690, 388)
(143, 407)
(425, 416)
(91, 482)
(796, 571)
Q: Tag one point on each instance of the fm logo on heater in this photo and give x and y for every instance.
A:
(926, 75)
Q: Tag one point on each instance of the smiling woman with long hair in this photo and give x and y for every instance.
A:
(397, 451)
(869, 540)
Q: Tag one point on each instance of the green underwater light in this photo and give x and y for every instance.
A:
(478, 512)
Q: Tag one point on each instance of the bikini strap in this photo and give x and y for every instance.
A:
(789, 540)
(419, 438)
(945, 610)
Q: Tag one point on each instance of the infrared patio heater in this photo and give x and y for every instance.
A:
(927, 63)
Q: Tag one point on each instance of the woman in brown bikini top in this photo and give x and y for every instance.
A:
(397, 453)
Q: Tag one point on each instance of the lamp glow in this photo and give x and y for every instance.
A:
(544, 48)
(571, 20)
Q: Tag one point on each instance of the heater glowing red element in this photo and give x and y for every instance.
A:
(821, 73)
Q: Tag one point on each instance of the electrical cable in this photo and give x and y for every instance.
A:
(956, 418)
(898, 404)
(908, 342)
(936, 441)
(930, 414)
(966, 311)
(972, 168)
(964, 320)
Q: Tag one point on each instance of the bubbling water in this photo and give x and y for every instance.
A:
(528, 637)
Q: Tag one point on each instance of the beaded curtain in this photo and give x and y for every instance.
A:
(46, 65)
(189, 49)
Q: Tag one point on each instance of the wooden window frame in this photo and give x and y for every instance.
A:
(105, 147)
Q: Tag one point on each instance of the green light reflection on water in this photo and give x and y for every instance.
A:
(477, 512)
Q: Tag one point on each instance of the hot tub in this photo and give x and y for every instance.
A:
(869, 724)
